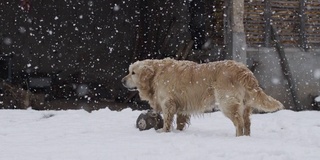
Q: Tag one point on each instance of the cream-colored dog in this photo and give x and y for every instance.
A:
(185, 88)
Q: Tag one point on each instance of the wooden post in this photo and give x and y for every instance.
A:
(267, 18)
(238, 37)
(302, 33)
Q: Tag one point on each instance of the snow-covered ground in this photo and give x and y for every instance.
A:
(110, 135)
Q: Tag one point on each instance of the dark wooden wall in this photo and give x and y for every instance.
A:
(84, 41)
(92, 38)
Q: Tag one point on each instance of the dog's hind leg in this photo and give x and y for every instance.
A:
(233, 112)
(246, 118)
(182, 120)
(169, 109)
(237, 119)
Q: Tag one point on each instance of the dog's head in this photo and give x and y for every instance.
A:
(139, 77)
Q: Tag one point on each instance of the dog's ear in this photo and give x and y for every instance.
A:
(147, 72)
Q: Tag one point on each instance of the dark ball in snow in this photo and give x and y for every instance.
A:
(149, 120)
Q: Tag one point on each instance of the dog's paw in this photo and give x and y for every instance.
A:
(165, 130)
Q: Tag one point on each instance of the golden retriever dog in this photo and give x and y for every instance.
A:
(185, 88)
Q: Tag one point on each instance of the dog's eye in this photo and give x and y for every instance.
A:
(133, 73)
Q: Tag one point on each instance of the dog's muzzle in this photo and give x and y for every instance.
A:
(124, 83)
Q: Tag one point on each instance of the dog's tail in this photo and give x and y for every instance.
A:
(262, 101)
(255, 95)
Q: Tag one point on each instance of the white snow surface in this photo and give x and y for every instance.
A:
(110, 135)
(317, 99)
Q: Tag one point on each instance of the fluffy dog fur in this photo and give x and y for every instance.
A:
(185, 88)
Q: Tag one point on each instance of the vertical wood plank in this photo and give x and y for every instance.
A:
(302, 31)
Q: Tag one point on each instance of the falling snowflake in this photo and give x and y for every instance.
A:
(90, 3)
(116, 7)
(316, 73)
(275, 80)
(49, 31)
(22, 30)
(7, 41)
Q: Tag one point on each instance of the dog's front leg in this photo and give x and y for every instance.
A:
(169, 109)
(182, 120)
